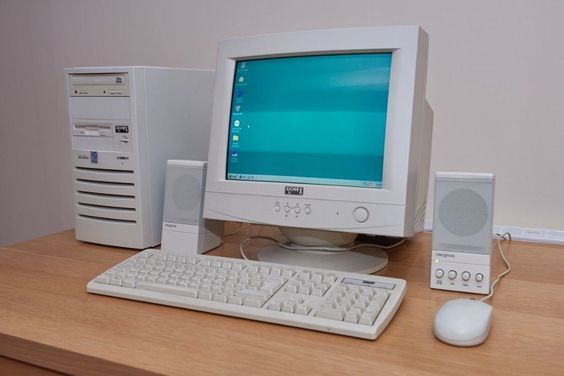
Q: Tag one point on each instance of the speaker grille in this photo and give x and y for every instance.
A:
(463, 212)
(183, 194)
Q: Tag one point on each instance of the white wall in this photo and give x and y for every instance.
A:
(495, 81)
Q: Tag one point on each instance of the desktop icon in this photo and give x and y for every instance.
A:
(235, 137)
(238, 108)
(237, 123)
(239, 93)
(243, 65)
(241, 79)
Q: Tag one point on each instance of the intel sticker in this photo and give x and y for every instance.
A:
(94, 157)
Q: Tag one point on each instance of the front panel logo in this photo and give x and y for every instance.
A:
(294, 191)
(94, 157)
(122, 128)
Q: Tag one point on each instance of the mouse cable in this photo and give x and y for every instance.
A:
(500, 237)
(234, 231)
(295, 247)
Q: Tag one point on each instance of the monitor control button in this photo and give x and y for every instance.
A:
(465, 276)
(451, 274)
(479, 277)
(360, 214)
(297, 210)
(439, 273)
(307, 210)
(276, 208)
(287, 209)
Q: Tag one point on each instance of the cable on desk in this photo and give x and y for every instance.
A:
(297, 248)
(500, 238)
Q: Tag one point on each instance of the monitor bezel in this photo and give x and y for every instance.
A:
(402, 42)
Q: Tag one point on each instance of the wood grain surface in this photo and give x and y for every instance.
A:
(49, 320)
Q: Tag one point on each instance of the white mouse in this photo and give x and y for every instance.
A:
(463, 322)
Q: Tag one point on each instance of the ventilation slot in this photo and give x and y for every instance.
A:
(90, 217)
(104, 183)
(101, 206)
(105, 176)
(419, 219)
(105, 170)
(106, 200)
(107, 195)
(106, 207)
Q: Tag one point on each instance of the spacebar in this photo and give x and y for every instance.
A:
(174, 290)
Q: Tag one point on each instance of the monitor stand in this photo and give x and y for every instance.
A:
(365, 261)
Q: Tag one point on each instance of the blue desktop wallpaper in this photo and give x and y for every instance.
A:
(310, 119)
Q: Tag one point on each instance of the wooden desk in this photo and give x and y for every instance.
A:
(47, 319)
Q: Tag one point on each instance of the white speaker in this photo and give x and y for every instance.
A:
(462, 232)
(185, 231)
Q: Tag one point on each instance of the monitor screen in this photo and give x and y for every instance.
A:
(317, 119)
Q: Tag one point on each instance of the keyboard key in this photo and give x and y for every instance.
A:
(287, 273)
(175, 290)
(288, 307)
(372, 307)
(291, 289)
(316, 291)
(304, 290)
(303, 309)
(329, 278)
(367, 318)
(253, 302)
(239, 267)
(333, 314)
(235, 299)
(274, 305)
(204, 295)
(317, 277)
(102, 279)
(220, 297)
(380, 299)
(352, 316)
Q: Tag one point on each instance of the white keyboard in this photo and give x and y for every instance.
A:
(349, 304)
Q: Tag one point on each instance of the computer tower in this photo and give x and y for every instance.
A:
(126, 122)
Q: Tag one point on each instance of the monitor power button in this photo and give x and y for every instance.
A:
(360, 214)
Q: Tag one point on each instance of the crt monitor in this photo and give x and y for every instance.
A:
(327, 132)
